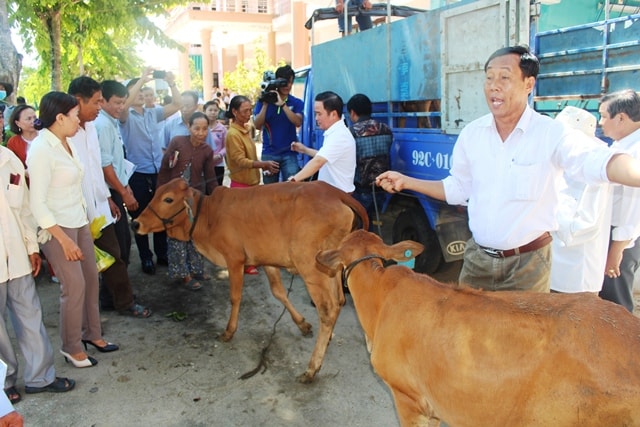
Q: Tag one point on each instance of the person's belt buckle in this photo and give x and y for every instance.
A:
(496, 253)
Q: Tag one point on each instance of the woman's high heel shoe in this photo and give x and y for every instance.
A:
(86, 363)
(106, 349)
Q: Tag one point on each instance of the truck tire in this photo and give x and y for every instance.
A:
(412, 224)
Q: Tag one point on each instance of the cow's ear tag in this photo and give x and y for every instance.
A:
(410, 262)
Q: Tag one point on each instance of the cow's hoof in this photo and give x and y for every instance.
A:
(306, 378)
(306, 329)
(226, 336)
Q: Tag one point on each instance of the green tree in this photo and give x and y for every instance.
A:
(246, 78)
(195, 76)
(31, 85)
(95, 37)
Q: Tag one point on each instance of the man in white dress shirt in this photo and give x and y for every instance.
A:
(620, 120)
(507, 167)
(335, 161)
(117, 291)
(579, 248)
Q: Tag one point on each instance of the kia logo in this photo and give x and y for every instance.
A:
(456, 247)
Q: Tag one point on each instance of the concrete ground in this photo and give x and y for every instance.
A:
(170, 373)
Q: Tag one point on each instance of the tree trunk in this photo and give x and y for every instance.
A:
(80, 60)
(53, 26)
(10, 59)
(79, 47)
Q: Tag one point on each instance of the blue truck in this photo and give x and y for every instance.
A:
(424, 74)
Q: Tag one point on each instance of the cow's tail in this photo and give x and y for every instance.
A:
(360, 212)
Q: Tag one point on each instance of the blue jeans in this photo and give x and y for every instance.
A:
(288, 166)
(364, 22)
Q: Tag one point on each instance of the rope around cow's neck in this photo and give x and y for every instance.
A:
(165, 221)
(347, 270)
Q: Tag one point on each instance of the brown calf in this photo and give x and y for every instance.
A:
(474, 358)
(276, 226)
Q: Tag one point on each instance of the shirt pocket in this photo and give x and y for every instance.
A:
(14, 195)
(525, 182)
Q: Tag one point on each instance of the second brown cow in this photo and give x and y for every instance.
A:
(474, 358)
(276, 226)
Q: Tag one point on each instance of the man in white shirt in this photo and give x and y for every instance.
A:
(98, 198)
(18, 296)
(335, 162)
(579, 247)
(507, 166)
(620, 120)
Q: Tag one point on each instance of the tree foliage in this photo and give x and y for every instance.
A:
(195, 76)
(246, 78)
(31, 86)
(87, 37)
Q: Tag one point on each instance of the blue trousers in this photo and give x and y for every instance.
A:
(288, 166)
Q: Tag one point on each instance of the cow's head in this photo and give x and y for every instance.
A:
(171, 209)
(361, 245)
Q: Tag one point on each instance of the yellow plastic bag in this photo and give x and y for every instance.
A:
(104, 259)
(97, 225)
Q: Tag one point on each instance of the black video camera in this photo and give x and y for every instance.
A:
(268, 85)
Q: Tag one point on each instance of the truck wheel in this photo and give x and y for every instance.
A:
(412, 224)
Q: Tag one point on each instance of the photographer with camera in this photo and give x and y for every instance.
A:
(278, 114)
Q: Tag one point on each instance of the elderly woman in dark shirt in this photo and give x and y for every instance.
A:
(191, 158)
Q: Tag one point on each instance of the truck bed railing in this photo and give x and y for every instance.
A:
(604, 57)
(377, 9)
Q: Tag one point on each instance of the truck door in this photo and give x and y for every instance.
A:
(470, 33)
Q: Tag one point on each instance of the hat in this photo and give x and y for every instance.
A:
(579, 119)
(8, 87)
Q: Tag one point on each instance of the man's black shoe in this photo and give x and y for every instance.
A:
(148, 266)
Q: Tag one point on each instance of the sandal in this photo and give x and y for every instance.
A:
(137, 310)
(204, 277)
(13, 395)
(59, 385)
(192, 284)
